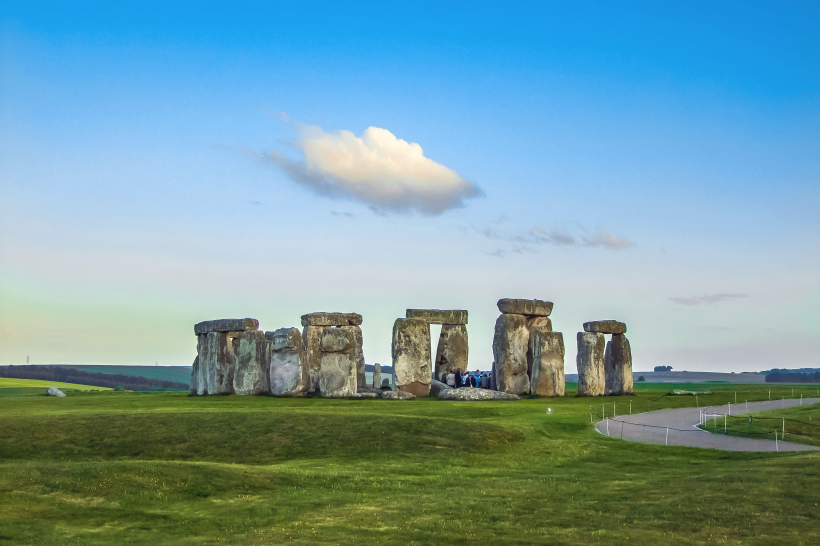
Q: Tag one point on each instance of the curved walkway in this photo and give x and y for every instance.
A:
(679, 427)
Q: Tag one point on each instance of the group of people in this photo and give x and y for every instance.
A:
(458, 379)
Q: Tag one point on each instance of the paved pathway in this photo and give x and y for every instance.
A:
(682, 427)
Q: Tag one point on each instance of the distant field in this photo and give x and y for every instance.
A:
(181, 374)
(158, 468)
(10, 383)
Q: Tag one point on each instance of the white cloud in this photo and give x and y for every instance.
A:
(524, 242)
(606, 239)
(714, 298)
(376, 168)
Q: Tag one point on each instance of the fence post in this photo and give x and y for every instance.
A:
(590, 417)
(730, 408)
(775, 441)
(784, 428)
(602, 412)
(735, 397)
(607, 427)
(667, 435)
(770, 394)
(630, 405)
(801, 399)
(724, 423)
(613, 410)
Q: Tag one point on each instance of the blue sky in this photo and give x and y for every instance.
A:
(655, 164)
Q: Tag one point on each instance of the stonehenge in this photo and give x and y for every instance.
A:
(412, 359)
(604, 368)
(326, 357)
(528, 355)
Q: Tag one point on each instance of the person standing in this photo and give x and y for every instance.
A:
(459, 379)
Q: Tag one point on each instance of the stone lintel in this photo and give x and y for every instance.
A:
(332, 319)
(605, 327)
(225, 325)
(438, 316)
(530, 308)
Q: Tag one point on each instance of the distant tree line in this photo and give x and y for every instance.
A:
(95, 379)
(793, 377)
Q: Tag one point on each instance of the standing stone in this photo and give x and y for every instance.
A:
(337, 366)
(312, 339)
(590, 363)
(251, 375)
(377, 376)
(217, 362)
(412, 361)
(386, 384)
(525, 307)
(543, 324)
(288, 366)
(453, 349)
(510, 344)
(358, 356)
(194, 374)
(618, 366)
(493, 383)
(548, 363)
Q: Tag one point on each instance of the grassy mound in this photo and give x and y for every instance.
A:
(165, 468)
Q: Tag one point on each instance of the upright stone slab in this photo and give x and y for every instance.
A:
(412, 361)
(510, 344)
(590, 363)
(288, 366)
(605, 327)
(377, 376)
(225, 325)
(194, 375)
(525, 307)
(453, 349)
(438, 316)
(358, 356)
(542, 324)
(217, 362)
(251, 375)
(618, 366)
(547, 377)
(337, 367)
(312, 339)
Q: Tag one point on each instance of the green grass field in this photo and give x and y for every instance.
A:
(801, 425)
(20, 387)
(165, 468)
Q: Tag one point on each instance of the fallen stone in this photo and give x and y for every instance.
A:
(54, 391)
(331, 319)
(412, 362)
(367, 394)
(337, 375)
(369, 389)
(547, 377)
(590, 363)
(225, 325)
(253, 356)
(472, 394)
(438, 316)
(288, 365)
(525, 307)
(510, 344)
(437, 386)
(618, 366)
(377, 376)
(605, 327)
(397, 395)
(312, 339)
(453, 349)
(336, 340)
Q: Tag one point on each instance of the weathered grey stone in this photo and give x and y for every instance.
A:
(438, 316)
(605, 327)
(367, 394)
(217, 362)
(453, 349)
(547, 377)
(493, 383)
(510, 352)
(377, 376)
(543, 324)
(525, 307)
(385, 383)
(337, 340)
(312, 339)
(437, 386)
(337, 375)
(253, 356)
(472, 394)
(412, 362)
(194, 376)
(289, 374)
(331, 319)
(225, 325)
(54, 391)
(618, 366)
(358, 355)
(397, 395)
(590, 363)
(369, 389)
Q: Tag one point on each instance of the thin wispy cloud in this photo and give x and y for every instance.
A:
(707, 300)
(538, 236)
(387, 173)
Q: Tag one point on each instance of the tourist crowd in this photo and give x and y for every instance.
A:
(458, 379)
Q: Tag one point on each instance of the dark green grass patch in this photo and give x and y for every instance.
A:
(164, 468)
